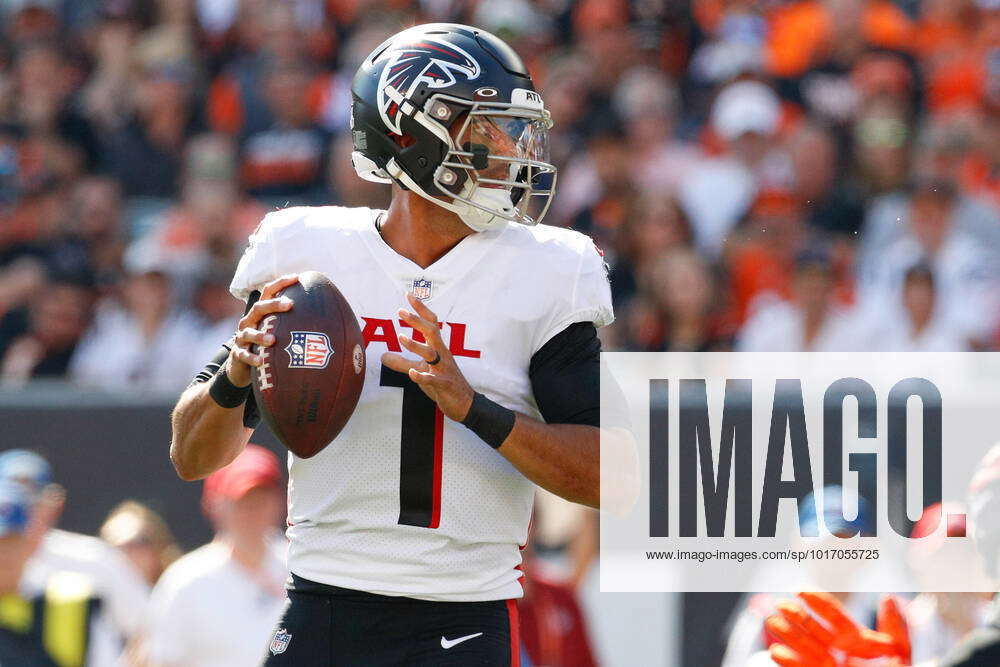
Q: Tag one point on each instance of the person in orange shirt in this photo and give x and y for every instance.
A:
(802, 33)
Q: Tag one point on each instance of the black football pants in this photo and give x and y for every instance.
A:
(327, 626)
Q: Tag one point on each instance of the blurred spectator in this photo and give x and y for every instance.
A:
(553, 629)
(58, 557)
(32, 618)
(923, 328)
(144, 155)
(106, 97)
(94, 227)
(219, 313)
(966, 278)
(807, 33)
(134, 339)
(737, 32)
(286, 160)
(717, 191)
(831, 204)
(47, 112)
(811, 321)
(655, 225)
(43, 347)
(939, 620)
(143, 537)
(218, 605)
(210, 224)
(881, 139)
(684, 291)
(552, 624)
(599, 185)
(19, 280)
(649, 105)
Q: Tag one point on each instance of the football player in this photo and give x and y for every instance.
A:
(480, 331)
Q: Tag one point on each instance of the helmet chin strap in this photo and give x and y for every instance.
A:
(475, 218)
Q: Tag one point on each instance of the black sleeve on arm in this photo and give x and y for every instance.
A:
(251, 415)
(566, 374)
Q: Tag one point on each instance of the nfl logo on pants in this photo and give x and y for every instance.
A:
(279, 643)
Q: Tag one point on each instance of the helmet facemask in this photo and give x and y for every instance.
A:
(498, 165)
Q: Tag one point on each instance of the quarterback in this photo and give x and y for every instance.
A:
(480, 328)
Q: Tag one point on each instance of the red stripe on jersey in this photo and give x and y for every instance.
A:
(438, 446)
(515, 639)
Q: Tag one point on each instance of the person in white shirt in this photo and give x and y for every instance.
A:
(717, 191)
(966, 279)
(919, 324)
(217, 606)
(811, 321)
(132, 344)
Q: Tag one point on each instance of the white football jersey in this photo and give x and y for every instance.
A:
(405, 501)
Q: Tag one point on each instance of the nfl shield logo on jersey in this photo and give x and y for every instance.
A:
(279, 643)
(309, 349)
(422, 289)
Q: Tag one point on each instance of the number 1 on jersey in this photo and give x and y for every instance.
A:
(420, 437)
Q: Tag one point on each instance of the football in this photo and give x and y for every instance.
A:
(311, 378)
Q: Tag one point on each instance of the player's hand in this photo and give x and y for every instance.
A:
(443, 381)
(249, 333)
(838, 640)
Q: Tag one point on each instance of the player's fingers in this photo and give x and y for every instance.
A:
(873, 644)
(245, 356)
(421, 308)
(430, 330)
(425, 379)
(277, 285)
(830, 610)
(245, 337)
(398, 362)
(786, 657)
(425, 351)
(892, 622)
(795, 614)
(262, 309)
(792, 636)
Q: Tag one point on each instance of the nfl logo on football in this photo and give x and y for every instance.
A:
(279, 643)
(309, 349)
(422, 289)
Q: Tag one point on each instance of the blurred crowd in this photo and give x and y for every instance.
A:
(762, 174)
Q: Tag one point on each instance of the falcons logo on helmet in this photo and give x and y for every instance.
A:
(431, 61)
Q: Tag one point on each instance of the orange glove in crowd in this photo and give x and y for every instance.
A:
(837, 641)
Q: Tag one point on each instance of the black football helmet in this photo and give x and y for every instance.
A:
(478, 128)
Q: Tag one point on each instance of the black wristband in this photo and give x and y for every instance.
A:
(489, 420)
(225, 393)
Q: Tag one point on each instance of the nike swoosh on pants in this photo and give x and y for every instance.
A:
(448, 643)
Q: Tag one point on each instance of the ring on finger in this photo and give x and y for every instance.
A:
(437, 358)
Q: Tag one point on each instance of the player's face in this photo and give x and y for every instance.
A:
(510, 137)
